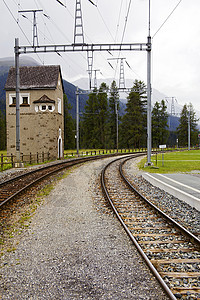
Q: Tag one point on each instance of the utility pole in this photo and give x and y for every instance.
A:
(77, 121)
(149, 94)
(35, 35)
(17, 102)
(189, 129)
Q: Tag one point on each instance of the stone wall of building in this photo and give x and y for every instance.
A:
(39, 130)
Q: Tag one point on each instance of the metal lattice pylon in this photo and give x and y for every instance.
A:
(173, 106)
(95, 78)
(90, 65)
(121, 74)
(35, 33)
(78, 30)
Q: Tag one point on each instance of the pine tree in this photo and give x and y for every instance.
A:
(69, 126)
(133, 126)
(89, 122)
(95, 119)
(187, 113)
(113, 109)
(159, 124)
(103, 115)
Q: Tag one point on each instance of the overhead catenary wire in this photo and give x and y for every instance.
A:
(19, 26)
(24, 32)
(167, 18)
(123, 34)
(84, 32)
(105, 24)
(52, 40)
(120, 10)
(126, 20)
(61, 3)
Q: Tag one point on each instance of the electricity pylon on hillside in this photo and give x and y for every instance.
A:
(79, 37)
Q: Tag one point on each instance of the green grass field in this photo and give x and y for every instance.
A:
(185, 161)
(4, 152)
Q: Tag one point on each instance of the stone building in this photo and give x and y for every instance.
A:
(41, 111)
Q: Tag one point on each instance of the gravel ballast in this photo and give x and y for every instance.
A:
(75, 248)
(177, 209)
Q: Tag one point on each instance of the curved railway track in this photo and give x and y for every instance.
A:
(11, 188)
(171, 252)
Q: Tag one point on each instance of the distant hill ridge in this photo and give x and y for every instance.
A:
(69, 89)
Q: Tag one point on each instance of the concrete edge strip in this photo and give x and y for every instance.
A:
(188, 198)
(172, 187)
(182, 184)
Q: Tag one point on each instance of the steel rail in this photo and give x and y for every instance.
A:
(60, 166)
(40, 169)
(191, 236)
(36, 180)
(147, 261)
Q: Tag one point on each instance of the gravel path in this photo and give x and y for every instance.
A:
(76, 249)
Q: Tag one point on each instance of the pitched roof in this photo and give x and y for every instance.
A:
(44, 99)
(38, 77)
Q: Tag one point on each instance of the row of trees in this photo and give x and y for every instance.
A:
(98, 122)
(98, 125)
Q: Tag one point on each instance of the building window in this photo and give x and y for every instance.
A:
(12, 99)
(59, 106)
(51, 107)
(43, 107)
(24, 99)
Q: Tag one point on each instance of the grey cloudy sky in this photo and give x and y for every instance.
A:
(175, 54)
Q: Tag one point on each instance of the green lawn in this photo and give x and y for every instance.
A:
(185, 161)
(4, 152)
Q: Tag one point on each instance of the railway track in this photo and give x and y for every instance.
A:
(11, 188)
(171, 252)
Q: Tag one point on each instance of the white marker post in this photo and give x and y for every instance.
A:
(162, 147)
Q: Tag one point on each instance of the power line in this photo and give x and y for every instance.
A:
(126, 19)
(19, 26)
(16, 22)
(167, 18)
(61, 3)
(105, 24)
(120, 10)
(62, 33)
